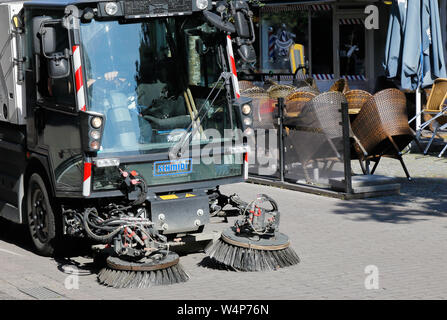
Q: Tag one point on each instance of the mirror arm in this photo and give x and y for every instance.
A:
(252, 27)
(42, 32)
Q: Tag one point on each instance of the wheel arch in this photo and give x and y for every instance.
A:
(36, 164)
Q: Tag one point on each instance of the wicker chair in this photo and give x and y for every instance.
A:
(316, 134)
(268, 83)
(307, 84)
(435, 110)
(280, 91)
(296, 101)
(307, 89)
(357, 98)
(245, 84)
(382, 128)
(341, 85)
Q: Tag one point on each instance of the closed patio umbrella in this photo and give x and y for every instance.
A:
(414, 51)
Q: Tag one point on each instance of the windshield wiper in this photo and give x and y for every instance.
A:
(176, 151)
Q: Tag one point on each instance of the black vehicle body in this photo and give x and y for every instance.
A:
(52, 135)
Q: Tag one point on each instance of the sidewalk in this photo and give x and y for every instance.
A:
(401, 238)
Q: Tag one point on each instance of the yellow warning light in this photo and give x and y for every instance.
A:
(17, 22)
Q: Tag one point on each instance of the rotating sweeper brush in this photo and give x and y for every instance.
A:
(137, 255)
(162, 268)
(254, 243)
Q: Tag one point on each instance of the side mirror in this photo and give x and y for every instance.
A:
(48, 39)
(243, 20)
(217, 21)
(247, 53)
(58, 65)
(37, 35)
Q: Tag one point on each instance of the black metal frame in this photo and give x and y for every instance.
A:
(281, 182)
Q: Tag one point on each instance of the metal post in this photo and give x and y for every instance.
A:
(346, 146)
(280, 107)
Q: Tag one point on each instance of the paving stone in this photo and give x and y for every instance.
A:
(403, 235)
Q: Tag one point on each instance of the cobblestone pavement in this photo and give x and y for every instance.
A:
(401, 238)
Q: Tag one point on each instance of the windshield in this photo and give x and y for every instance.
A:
(150, 79)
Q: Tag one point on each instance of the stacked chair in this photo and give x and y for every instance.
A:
(436, 110)
(341, 85)
(357, 98)
(296, 101)
(382, 128)
(245, 84)
(315, 135)
(280, 91)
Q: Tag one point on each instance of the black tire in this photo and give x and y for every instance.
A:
(40, 216)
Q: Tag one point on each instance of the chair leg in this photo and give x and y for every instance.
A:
(375, 165)
(399, 156)
(431, 141)
(368, 172)
(362, 166)
(442, 151)
(444, 126)
(418, 144)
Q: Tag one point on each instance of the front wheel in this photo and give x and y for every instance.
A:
(41, 219)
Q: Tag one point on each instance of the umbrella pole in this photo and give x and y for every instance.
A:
(418, 109)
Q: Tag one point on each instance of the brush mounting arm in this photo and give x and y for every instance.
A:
(261, 216)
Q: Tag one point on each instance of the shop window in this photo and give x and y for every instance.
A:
(352, 47)
(280, 31)
(322, 47)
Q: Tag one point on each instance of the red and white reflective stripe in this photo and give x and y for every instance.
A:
(232, 61)
(351, 21)
(246, 166)
(79, 78)
(323, 76)
(86, 186)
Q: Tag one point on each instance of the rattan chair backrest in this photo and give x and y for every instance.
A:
(296, 101)
(280, 91)
(307, 88)
(438, 95)
(341, 85)
(253, 92)
(356, 98)
(245, 84)
(327, 107)
(383, 115)
(311, 82)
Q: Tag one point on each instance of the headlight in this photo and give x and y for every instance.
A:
(94, 145)
(248, 131)
(202, 4)
(95, 134)
(248, 122)
(111, 8)
(246, 109)
(96, 122)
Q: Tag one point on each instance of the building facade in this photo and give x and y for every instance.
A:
(340, 38)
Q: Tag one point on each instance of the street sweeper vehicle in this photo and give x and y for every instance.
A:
(119, 120)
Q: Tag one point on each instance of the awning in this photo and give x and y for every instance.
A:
(282, 6)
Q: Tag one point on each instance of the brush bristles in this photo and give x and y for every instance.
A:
(142, 279)
(244, 259)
